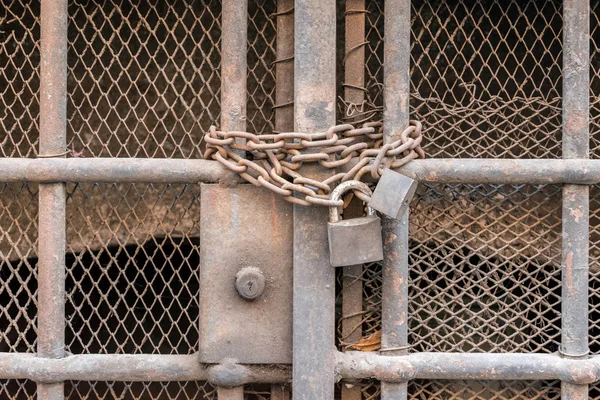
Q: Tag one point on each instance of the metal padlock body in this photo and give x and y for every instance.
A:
(354, 241)
(393, 194)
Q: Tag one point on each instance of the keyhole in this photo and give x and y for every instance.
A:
(250, 283)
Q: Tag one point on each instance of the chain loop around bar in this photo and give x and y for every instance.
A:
(272, 161)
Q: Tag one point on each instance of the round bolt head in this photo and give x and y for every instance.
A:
(250, 283)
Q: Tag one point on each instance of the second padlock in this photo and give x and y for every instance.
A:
(357, 240)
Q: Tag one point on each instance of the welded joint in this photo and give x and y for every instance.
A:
(228, 374)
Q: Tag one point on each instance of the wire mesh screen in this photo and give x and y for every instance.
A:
(484, 259)
(143, 77)
(144, 82)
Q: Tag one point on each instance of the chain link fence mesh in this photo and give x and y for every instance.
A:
(484, 259)
(144, 82)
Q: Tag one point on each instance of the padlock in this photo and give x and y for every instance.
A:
(393, 194)
(357, 240)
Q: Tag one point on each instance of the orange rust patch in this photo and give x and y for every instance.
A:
(569, 272)
(577, 214)
(432, 176)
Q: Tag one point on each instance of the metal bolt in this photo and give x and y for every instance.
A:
(250, 283)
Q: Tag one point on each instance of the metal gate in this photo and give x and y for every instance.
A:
(487, 289)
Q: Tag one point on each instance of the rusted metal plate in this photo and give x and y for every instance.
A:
(243, 227)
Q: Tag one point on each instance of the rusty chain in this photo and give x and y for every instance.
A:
(274, 160)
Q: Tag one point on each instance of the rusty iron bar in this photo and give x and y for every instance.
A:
(396, 113)
(284, 94)
(234, 64)
(284, 69)
(156, 170)
(119, 170)
(347, 365)
(466, 366)
(52, 197)
(314, 278)
(234, 70)
(354, 81)
(134, 368)
(575, 198)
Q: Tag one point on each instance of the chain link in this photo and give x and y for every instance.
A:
(274, 160)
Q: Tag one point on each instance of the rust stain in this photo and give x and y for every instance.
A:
(391, 238)
(569, 272)
(432, 176)
(274, 217)
(577, 214)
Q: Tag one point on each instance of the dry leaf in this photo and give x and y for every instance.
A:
(369, 343)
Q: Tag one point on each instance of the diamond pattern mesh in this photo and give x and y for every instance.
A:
(19, 78)
(144, 82)
(143, 77)
(18, 278)
(132, 274)
(487, 77)
(484, 259)
(485, 390)
(261, 70)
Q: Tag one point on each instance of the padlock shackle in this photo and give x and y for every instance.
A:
(336, 194)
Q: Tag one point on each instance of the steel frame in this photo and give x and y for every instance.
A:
(315, 358)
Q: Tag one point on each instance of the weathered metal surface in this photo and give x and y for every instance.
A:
(469, 366)
(250, 283)
(125, 170)
(52, 197)
(349, 365)
(284, 101)
(357, 240)
(354, 241)
(234, 66)
(284, 67)
(111, 170)
(354, 95)
(393, 194)
(132, 368)
(245, 226)
(396, 109)
(575, 204)
(314, 279)
(394, 302)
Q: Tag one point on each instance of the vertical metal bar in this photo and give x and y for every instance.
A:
(314, 278)
(284, 101)
(52, 197)
(234, 39)
(354, 80)
(354, 59)
(234, 65)
(575, 198)
(284, 67)
(394, 338)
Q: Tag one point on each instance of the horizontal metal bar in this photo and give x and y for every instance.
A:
(156, 170)
(499, 171)
(349, 365)
(120, 170)
(134, 368)
(465, 366)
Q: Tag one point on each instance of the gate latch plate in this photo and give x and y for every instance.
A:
(241, 228)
